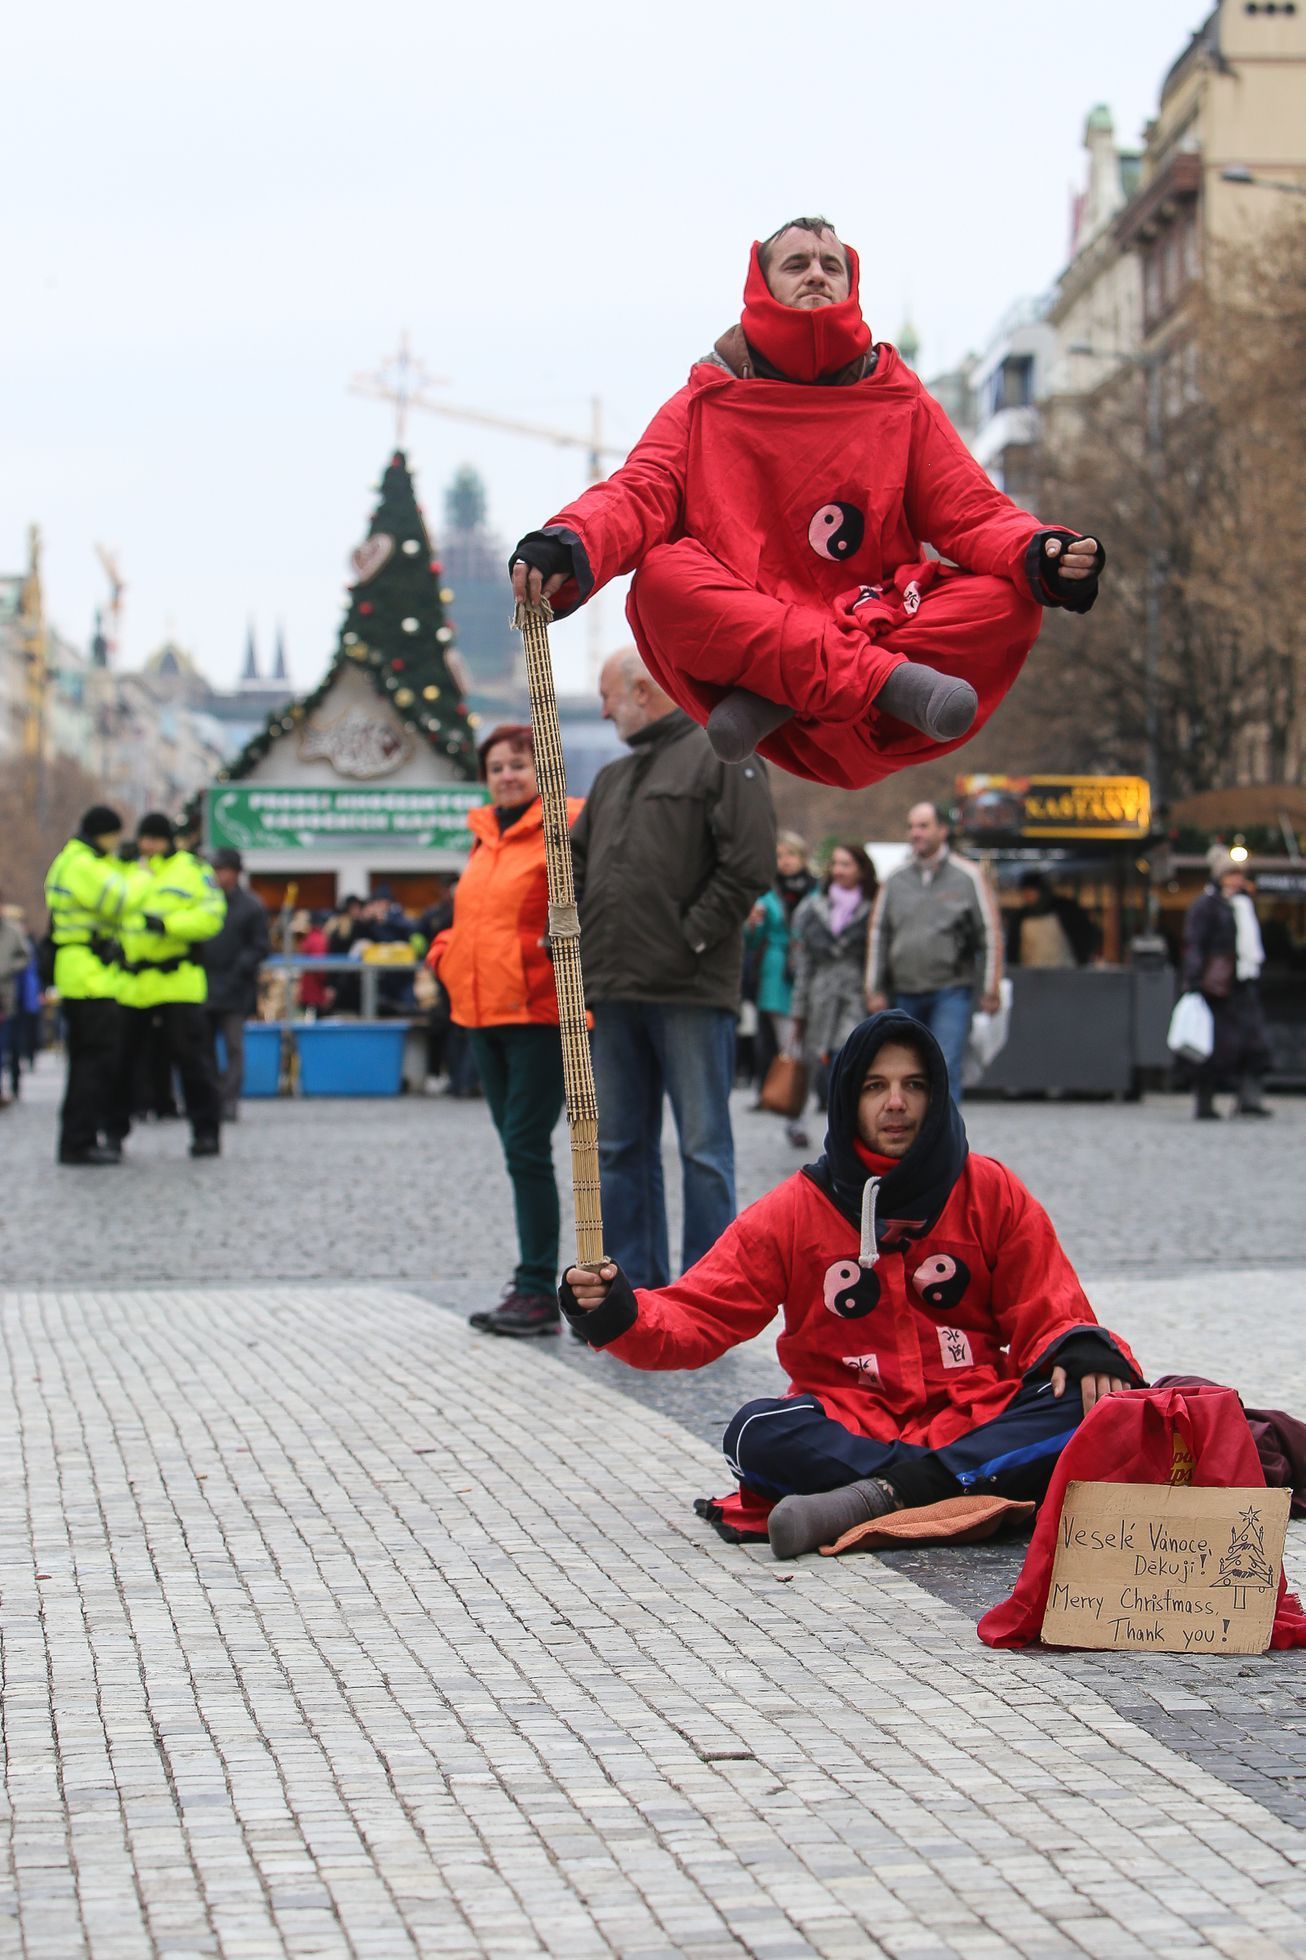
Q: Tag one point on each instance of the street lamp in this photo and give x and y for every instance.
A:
(1238, 173)
(1151, 366)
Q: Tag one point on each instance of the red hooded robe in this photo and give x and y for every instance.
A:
(756, 512)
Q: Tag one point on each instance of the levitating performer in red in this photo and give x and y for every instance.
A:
(776, 513)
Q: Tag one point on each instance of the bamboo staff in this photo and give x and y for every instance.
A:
(532, 621)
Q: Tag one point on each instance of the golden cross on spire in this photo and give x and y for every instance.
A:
(400, 379)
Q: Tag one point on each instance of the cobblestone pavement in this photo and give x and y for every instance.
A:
(327, 1632)
(330, 1628)
(417, 1189)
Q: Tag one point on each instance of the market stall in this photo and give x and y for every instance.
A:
(1092, 1022)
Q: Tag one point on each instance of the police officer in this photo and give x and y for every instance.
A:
(173, 904)
(86, 890)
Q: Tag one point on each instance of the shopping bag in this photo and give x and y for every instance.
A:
(1192, 1029)
(784, 1091)
(988, 1036)
(1143, 1436)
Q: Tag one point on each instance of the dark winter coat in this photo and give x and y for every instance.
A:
(829, 969)
(1242, 1039)
(232, 958)
(1210, 945)
(672, 851)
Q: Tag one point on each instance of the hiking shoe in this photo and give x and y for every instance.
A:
(206, 1147)
(94, 1154)
(521, 1316)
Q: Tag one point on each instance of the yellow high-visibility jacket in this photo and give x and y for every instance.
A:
(87, 896)
(182, 893)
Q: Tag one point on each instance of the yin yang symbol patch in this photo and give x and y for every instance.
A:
(836, 531)
(851, 1291)
(941, 1281)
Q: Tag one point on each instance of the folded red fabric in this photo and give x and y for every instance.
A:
(1193, 1436)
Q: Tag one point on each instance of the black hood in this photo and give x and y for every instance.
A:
(920, 1184)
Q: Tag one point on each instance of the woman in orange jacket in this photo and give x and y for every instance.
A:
(494, 964)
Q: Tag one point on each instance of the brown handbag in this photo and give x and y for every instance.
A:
(784, 1091)
(1217, 976)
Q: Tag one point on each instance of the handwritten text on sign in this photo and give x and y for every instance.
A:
(1165, 1568)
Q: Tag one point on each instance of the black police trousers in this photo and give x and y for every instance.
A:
(93, 1032)
(182, 1030)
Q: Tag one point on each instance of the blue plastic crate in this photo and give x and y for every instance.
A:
(262, 1058)
(262, 1076)
(350, 1058)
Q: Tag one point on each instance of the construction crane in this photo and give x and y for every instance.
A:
(35, 645)
(403, 382)
(113, 611)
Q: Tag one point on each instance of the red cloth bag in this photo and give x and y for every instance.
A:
(1145, 1436)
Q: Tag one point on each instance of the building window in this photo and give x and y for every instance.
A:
(1012, 385)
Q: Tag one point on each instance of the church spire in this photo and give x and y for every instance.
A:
(250, 670)
(909, 342)
(280, 671)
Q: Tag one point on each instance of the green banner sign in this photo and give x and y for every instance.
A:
(251, 818)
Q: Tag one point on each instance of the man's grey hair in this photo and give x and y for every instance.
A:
(942, 815)
(631, 668)
(816, 225)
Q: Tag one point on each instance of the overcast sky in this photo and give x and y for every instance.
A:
(215, 217)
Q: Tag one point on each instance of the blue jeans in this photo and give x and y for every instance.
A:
(641, 1051)
(946, 1014)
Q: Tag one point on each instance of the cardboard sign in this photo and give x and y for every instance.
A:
(1166, 1568)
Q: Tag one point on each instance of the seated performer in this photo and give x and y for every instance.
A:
(776, 513)
(937, 1340)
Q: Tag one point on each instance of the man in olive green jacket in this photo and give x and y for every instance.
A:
(174, 903)
(672, 850)
(86, 891)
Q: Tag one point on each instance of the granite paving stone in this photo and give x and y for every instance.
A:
(331, 1628)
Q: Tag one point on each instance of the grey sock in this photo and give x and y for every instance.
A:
(740, 721)
(938, 704)
(804, 1524)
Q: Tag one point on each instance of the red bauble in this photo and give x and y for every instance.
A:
(365, 605)
(436, 566)
(398, 666)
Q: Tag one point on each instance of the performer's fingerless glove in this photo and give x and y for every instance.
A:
(1088, 1352)
(1044, 574)
(545, 552)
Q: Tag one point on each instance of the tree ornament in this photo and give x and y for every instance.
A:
(431, 693)
(446, 595)
(410, 625)
(404, 697)
(351, 639)
(398, 664)
(411, 546)
(365, 607)
(374, 552)
(443, 634)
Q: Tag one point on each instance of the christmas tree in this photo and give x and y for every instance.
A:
(397, 631)
(1245, 1563)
